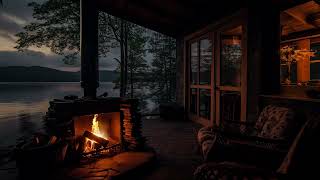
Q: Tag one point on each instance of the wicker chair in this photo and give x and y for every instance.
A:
(300, 161)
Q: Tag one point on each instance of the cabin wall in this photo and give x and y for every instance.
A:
(263, 56)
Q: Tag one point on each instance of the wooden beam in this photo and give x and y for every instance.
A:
(167, 8)
(89, 48)
(140, 15)
(301, 35)
(314, 18)
(301, 17)
(317, 1)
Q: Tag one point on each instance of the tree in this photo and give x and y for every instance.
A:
(135, 65)
(163, 49)
(57, 26)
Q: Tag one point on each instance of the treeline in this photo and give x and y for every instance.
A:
(57, 26)
(44, 74)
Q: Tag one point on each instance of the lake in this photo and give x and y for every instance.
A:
(22, 105)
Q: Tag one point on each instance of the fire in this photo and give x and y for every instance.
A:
(95, 126)
(95, 129)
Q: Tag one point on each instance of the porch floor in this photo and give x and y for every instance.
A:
(176, 147)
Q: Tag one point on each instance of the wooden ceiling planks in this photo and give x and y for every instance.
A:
(180, 17)
(303, 17)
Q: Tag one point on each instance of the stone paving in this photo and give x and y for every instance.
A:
(176, 147)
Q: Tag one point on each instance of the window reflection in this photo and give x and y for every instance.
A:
(205, 61)
(204, 106)
(230, 103)
(231, 54)
(193, 101)
(194, 63)
(315, 62)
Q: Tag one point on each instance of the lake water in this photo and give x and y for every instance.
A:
(22, 106)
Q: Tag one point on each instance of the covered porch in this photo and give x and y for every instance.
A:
(236, 105)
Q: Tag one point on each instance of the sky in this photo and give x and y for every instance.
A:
(14, 15)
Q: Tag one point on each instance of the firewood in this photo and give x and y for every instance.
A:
(97, 139)
(52, 140)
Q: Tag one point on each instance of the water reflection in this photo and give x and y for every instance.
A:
(22, 105)
(26, 126)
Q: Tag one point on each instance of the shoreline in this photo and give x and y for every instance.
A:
(51, 82)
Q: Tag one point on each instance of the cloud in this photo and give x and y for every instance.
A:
(14, 15)
(15, 19)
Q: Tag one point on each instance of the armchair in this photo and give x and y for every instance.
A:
(300, 161)
(269, 136)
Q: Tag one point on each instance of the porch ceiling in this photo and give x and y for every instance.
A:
(179, 17)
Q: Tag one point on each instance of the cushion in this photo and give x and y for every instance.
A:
(208, 140)
(275, 122)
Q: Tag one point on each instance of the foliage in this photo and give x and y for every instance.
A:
(57, 26)
(163, 69)
(137, 66)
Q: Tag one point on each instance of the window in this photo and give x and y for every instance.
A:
(231, 54)
(300, 62)
(315, 62)
(204, 105)
(288, 76)
(194, 63)
(201, 53)
(205, 61)
(300, 46)
(230, 89)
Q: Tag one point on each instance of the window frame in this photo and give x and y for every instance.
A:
(313, 61)
(198, 86)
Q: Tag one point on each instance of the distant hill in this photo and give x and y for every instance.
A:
(44, 74)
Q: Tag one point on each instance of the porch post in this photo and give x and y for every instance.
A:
(263, 55)
(89, 47)
(180, 73)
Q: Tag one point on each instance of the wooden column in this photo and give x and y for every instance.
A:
(180, 73)
(89, 48)
(263, 54)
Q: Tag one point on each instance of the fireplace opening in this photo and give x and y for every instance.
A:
(98, 133)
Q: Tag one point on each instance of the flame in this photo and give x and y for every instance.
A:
(95, 129)
(95, 126)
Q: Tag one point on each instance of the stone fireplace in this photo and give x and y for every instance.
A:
(117, 119)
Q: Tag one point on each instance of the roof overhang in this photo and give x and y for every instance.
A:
(177, 18)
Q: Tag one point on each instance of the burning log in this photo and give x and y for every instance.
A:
(97, 139)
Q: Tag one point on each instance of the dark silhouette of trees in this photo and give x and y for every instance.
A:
(57, 26)
(163, 68)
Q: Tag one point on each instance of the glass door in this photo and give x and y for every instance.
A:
(200, 89)
(231, 75)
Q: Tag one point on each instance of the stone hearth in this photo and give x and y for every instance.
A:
(61, 115)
